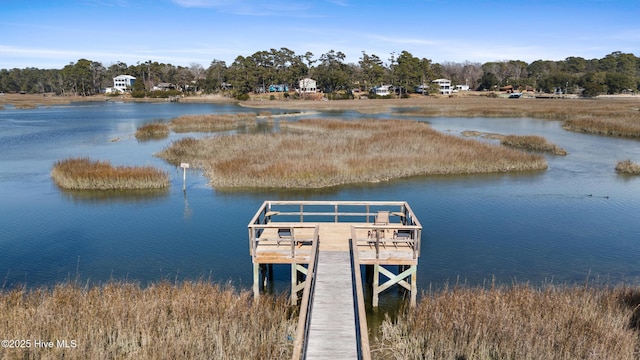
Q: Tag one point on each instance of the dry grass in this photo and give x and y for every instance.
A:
(190, 320)
(212, 122)
(517, 323)
(152, 131)
(86, 174)
(604, 116)
(533, 143)
(628, 167)
(610, 125)
(319, 153)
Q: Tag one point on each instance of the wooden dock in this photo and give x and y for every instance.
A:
(326, 243)
(331, 327)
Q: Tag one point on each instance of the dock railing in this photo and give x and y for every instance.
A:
(294, 214)
(302, 330)
(378, 236)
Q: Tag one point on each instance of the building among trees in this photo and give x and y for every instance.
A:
(307, 86)
(123, 83)
(445, 86)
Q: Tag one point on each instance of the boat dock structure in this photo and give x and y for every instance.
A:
(325, 243)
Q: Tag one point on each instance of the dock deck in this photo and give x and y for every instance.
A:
(333, 239)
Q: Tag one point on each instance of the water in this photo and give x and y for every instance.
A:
(575, 222)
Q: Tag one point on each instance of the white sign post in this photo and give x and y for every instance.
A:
(184, 167)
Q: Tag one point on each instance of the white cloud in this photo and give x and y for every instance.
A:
(251, 7)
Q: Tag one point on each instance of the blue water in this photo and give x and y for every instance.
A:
(574, 222)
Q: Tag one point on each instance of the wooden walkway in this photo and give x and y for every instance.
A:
(332, 332)
(332, 323)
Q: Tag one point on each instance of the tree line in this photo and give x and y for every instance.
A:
(615, 73)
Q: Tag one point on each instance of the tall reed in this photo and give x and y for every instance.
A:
(532, 142)
(318, 153)
(121, 320)
(155, 130)
(212, 122)
(518, 322)
(86, 174)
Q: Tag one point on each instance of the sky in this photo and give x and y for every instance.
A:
(49, 34)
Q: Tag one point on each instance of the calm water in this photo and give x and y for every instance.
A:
(578, 220)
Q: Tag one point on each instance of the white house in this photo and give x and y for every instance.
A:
(307, 86)
(445, 86)
(123, 83)
(462, 88)
(382, 90)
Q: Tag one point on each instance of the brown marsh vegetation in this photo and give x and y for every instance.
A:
(190, 320)
(319, 153)
(604, 116)
(212, 122)
(517, 322)
(533, 143)
(628, 167)
(152, 131)
(86, 174)
(197, 123)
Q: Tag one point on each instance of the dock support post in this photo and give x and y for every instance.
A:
(376, 280)
(294, 282)
(256, 281)
(414, 288)
(408, 272)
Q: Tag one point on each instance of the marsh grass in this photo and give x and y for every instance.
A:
(532, 143)
(517, 322)
(152, 131)
(318, 153)
(628, 167)
(121, 320)
(212, 122)
(610, 116)
(86, 174)
(607, 125)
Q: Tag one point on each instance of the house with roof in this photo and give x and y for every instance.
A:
(123, 83)
(307, 86)
(163, 86)
(444, 86)
(382, 90)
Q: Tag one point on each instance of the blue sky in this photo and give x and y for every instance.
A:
(53, 33)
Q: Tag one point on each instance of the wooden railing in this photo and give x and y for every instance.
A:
(292, 239)
(332, 209)
(302, 330)
(388, 235)
(271, 213)
(362, 330)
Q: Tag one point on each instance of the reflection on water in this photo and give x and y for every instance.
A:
(116, 196)
(574, 221)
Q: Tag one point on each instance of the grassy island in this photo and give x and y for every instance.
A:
(318, 153)
(196, 123)
(154, 130)
(86, 174)
(628, 167)
(533, 143)
(212, 122)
